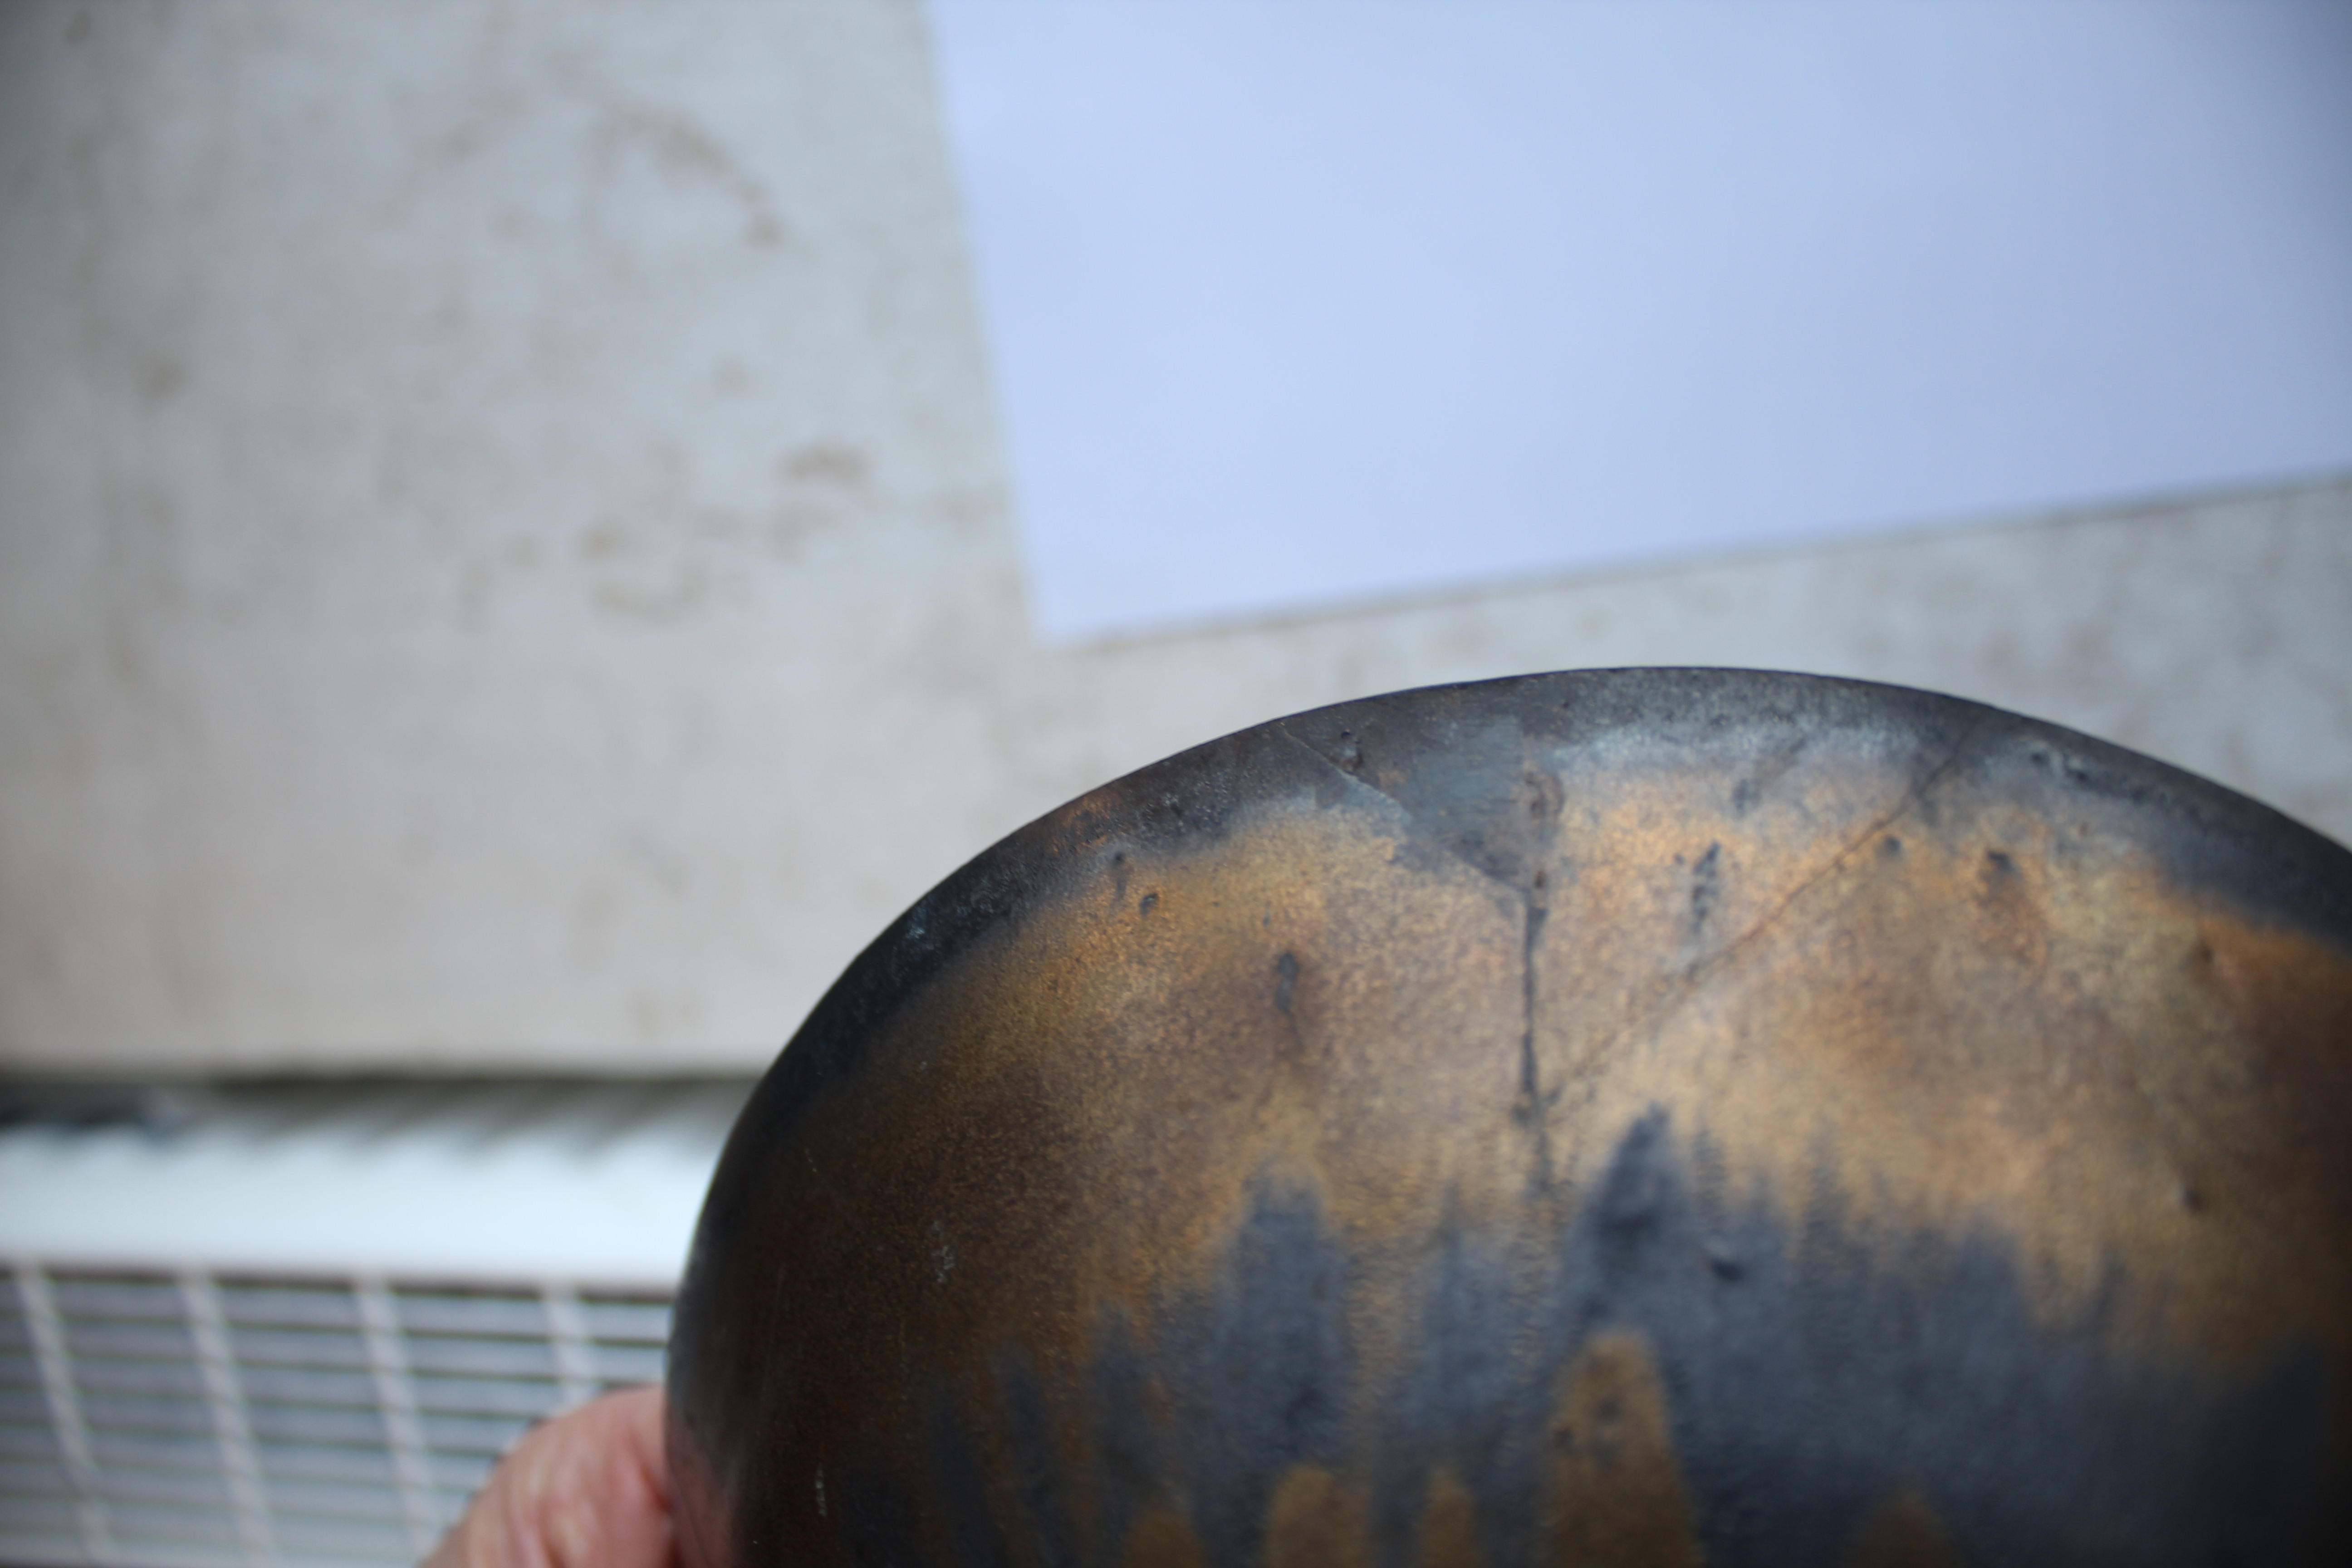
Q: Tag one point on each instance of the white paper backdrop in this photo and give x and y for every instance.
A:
(1294, 302)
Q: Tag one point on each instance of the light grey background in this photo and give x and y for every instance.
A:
(1492, 287)
(505, 559)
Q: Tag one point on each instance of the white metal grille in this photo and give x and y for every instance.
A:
(184, 1420)
(293, 1323)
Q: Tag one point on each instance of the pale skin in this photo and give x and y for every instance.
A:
(587, 1489)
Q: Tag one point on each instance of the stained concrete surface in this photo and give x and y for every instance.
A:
(505, 560)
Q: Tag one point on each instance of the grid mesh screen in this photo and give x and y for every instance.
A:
(199, 1419)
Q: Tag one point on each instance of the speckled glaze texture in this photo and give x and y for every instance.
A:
(1619, 1117)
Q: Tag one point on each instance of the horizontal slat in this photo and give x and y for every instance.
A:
(181, 1488)
(503, 1314)
(153, 1554)
(614, 1364)
(325, 1462)
(314, 1424)
(307, 1386)
(36, 1515)
(26, 1440)
(150, 1552)
(283, 1400)
(294, 1347)
(23, 1479)
(145, 1451)
(41, 1543)
(128, 1341)
(486, 1396)
(627, 1320)
(463, 1435)
(96, 1375)
(115, 1299)
(158, 1522)
(354, 1539)
(506, 1358)
(320, 1306)
(461, 1473)
(387, 1510)
(323, 1500)
(122, 1413)
(39, 1534)
(23, 1407)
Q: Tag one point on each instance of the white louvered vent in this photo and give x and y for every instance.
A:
(234, 1420)
(285, 1404)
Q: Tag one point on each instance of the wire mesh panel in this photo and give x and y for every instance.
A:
(189, 1419)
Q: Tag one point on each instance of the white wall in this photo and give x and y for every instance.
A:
(504, 558)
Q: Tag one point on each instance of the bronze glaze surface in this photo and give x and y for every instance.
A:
(1620, 1118)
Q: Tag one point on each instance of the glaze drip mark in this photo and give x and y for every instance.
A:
(1449, 1523)
(1260, 1369)
(2012, 924)
(1634, 1197)
(1041, 1503)
(1532, 1108)
(1286, 982)
(1506, 834)
(1162, 1539)
(1616, 1494)
(1903, 1533)
(1706, 887)
(1315, 1522)
(1127, 1412)
(960, 1481)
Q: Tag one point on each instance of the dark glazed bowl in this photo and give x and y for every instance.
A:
(1633, 1117)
